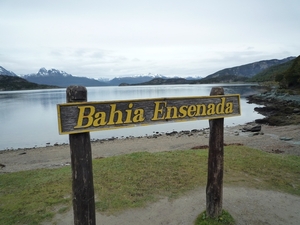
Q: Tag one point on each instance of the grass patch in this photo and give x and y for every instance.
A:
(134, 180)
(224, 219)
(257, 169)
(131, 180)
(28, 197)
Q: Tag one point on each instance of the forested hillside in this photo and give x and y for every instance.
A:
(291, 77)
(271, 73)
(11, 83)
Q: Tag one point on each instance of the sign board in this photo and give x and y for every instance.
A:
(82, 117)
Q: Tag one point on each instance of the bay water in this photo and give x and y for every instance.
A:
(29, 118)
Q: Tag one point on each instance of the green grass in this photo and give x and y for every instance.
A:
(262, 170)
(224, 219)
(29, 197)
(142, 177)
(134, 180)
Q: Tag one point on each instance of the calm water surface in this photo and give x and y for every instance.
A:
(29, 118)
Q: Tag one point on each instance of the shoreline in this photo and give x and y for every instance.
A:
(279, 135)
(271, 102)
(155, 134)
(279, 108)
(271, 139)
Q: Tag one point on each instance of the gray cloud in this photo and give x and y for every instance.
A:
(115, 38)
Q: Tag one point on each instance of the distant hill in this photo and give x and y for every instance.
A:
(162, 81)
(141, 79)
(221, 79)
(270, 73)
(247, 70)
(61, 79)
(12, 83)
(133, 79)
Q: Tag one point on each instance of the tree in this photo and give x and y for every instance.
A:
(291, 77)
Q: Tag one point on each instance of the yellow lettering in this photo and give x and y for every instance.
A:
(82, 116)
(113, 113)
(128, 111)
(138, 116)
(199, 110)
(211, 109)
(220, 107)
(158, 113)
(171, 109)
(191, 111)
(229, 108)
(99, 119)
(182, 111)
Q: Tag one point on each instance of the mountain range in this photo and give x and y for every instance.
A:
(60, 78)
(6, 72)
(244, 72)
(241, 73)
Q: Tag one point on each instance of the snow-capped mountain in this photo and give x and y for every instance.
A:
(60, 78)
(6, 72)
(63, 79)
(52, 72)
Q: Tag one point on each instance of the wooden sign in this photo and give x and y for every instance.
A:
(78, 117)
(92, 116)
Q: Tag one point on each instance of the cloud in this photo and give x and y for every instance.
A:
(114, 38)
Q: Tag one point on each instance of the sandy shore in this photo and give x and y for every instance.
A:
(248, 206)
(269, 140)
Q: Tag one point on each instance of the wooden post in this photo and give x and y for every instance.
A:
(214, 188)
(82, 173)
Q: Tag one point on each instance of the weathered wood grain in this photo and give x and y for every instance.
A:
(82, 171)
(214, 187)
(130, 112)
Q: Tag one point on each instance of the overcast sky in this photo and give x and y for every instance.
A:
(96, 38)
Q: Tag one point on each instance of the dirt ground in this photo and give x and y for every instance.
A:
(248, 206)
(269, 139)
